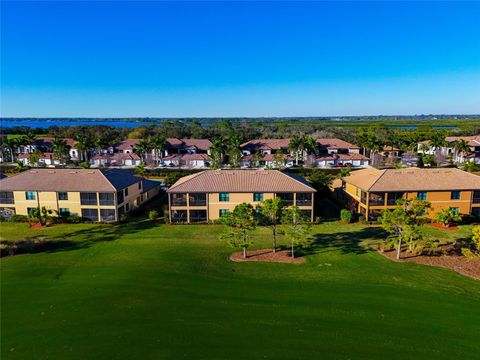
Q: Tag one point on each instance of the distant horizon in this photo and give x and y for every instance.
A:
(257, 59)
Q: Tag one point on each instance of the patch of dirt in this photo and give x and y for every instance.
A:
(267, 255)
(440, 226)
(36, 226)
(458, 263)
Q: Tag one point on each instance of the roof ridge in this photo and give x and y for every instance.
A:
(381, 175)
(109, 182)
(192, 176)
(291, 176)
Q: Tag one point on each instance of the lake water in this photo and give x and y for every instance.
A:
(46, 124)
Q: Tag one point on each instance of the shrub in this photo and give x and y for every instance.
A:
(73, 219)
(472, 250)
(153, 215)
(346, 216)
(362, 219)
(19, 218)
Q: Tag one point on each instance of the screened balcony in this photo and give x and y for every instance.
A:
(376, 199)
(178, 199)
(199, 199)
(304, 199)
(286, 197)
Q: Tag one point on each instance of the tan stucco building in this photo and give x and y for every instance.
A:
(93, 194)
(207, 195)
(374, 190)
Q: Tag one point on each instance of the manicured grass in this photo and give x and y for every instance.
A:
(141, 290)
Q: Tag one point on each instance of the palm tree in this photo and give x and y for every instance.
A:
(29, 138)
(461, 147)
(158, 145)
(84, 145)
(10, 145)
(310, 144)
(374, 146)
(234, 152)
(60, 149)
(295, 145)
(218, 150)
(144, 147)
(437, 140)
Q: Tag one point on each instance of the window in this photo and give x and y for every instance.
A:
(30, 210)
(88, 198)
(287, 198)
(393, 197)
(106, 199)
(179, 199)
(198, 215)
(30, 195)
(456, 209)
(224, 197)
(422, 195)
(257, 196)
(140, 185)
(6, 197)
(120, 197)
(107, 214)
(455, 195)
(476, 197)
(62, 195)
(127, 207)
(222, 212)
(358, 192)
(64, 212)
(126, 192)
(90, 214)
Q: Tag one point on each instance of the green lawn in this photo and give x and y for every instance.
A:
(140, 290)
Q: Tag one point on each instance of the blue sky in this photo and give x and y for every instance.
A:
(169, 59)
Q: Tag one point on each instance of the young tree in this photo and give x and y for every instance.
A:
(321, 180)
(448, 217)
(140, 170)
(403, 221)
(34, 158)
(271, 211)
(297, 228)
(41, 214)
(344, 172)
(241, 221)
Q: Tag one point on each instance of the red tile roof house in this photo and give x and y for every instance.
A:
(45, 159)
(267, 161)
(116, 159)
(449, 150)
(45, 144)
(332, 153)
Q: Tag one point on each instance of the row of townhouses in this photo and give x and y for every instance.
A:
(106, 194)
(449, 150)
(196, 153)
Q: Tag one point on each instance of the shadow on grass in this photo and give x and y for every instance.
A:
(75, 240)
(345, 242)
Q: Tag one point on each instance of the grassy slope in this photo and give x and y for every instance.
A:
(145, 291)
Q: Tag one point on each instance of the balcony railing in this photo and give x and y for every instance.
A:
(198, 202)
(476, 200)
(88, 201)
(179, 202)
(376, 202)
(304, 202)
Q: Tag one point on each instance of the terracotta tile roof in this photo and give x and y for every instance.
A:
(201, 144)
(128, 144)
(47, 142)
(413, 179)
(336, 144)
(390, 148)
(266, 144)
(69, 180)
(241, 181)
(192, 157)
(471, 140)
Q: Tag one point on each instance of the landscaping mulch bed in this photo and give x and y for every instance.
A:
(458, 263)
(267, 255)
(440, 226)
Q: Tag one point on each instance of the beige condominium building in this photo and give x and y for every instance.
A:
(373, 190)
(207, 195)
(93, 194)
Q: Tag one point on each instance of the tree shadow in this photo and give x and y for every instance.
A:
(345, 242)
(74, 240)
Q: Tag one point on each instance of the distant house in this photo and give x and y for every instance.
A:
(44, 159)
(45, 144)
(391, 152)
(337, 146)
(374, 190)
(128, 146)
(265, 146)
(341, 160)
(187, 146)
(93, 194)
(116, 159)
(449, 150)
(267, 161)
(208, 195)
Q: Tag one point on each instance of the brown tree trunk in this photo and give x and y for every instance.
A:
(399, 248)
